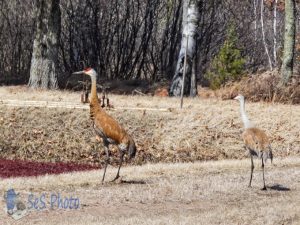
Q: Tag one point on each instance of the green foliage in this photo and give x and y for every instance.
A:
(228, 64)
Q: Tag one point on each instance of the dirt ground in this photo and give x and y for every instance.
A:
(213, 192)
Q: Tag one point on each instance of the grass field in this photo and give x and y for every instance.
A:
(175, 178)
(212, 192)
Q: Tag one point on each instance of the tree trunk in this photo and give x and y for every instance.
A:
(275, 33)
(193, 88)
(255, 19)
(44, 62)
(263, 33)
(289, 41)
(189, 30)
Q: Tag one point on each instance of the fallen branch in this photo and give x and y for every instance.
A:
(50, 104)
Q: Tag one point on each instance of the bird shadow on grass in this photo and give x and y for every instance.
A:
(279, 187)
(132, 182)
(125, 182)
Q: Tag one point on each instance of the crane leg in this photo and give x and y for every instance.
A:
(106, 159)
(121, 161)
(263, 171)
(252, 168)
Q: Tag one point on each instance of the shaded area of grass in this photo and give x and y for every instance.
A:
(21, 168)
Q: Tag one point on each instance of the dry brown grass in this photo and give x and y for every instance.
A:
(266, 86)
(205, 129)
(213, 192)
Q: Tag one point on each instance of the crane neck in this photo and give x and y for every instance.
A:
(246, 121)
(94, 96)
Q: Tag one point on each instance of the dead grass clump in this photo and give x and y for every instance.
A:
(263, 87)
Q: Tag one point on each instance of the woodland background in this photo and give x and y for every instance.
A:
(140, 39)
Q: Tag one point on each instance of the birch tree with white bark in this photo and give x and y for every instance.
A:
(189, 31)
(289, 41)
(275, 32)
(44, 61)
(255, 19)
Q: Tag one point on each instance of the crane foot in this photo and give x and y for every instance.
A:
(117, 179)
(264, 188)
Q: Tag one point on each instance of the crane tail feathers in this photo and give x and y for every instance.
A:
(131, 149)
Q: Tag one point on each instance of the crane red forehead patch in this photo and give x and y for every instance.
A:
(87, 69)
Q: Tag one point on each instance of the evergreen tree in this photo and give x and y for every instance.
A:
(228, 64)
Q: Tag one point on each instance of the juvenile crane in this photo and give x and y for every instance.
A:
(256, 141)
(108, 128)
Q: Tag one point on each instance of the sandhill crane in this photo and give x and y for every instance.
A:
(256, 141)
(108, 128)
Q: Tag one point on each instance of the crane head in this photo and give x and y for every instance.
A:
(87, 71)
(239, 97)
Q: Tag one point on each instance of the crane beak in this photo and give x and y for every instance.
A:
(79, 72)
